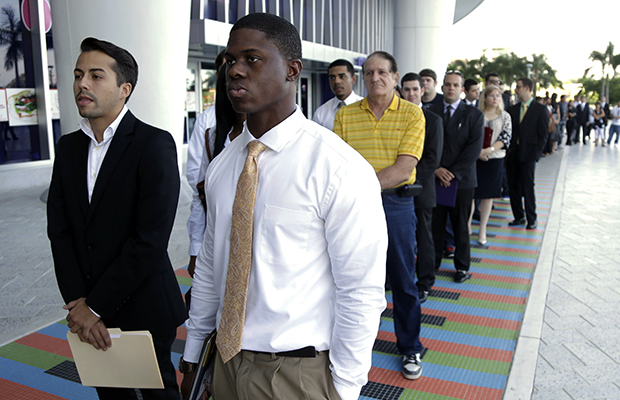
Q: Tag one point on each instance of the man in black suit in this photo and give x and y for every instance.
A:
(463, 135)
(605, 107)
(111, 207)
(583, 119)
(530, 130)
(492, 78)
(472, 92)
(425, 201)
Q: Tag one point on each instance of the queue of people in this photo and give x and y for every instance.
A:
(295, 224)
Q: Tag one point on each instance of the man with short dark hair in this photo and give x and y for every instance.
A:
(472, 92)
(292, 266)
(463, 135)
(111, 206)
(425, 201)
(389, 133)
(530, 130)
(583, 119)
(492, 78)
(341, 80)
(431, 97)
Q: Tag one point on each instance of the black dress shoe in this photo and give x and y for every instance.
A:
(516, 222)
(461, 276)
(423, 294)
(533, 225)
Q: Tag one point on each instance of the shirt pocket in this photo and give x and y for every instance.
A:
(284, 235)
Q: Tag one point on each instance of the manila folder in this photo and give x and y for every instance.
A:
(129, 363)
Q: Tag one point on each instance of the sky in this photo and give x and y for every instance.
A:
(566, 31)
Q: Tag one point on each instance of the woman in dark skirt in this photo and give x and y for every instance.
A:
(498, 131)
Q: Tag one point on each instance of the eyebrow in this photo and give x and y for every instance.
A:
(91, 70)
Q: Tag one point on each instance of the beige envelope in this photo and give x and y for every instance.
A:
(130, 362)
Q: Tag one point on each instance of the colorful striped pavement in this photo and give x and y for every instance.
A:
(469, 330)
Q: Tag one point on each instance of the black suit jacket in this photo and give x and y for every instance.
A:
(583, 116)
(462, 143)
(113, 251)
(425, 170)
(506, 100)
(531, 133)
(607, 113)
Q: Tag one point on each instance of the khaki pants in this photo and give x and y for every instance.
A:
(251, 376)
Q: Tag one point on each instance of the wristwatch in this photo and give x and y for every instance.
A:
(185, 367)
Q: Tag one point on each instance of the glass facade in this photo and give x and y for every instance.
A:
(20, 123)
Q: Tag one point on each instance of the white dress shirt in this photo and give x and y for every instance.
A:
(319, 250)
(97, 151)
(196, 144)
(196, 222)
(195, 151)
(326, 114)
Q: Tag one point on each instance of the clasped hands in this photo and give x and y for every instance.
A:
(484, 154)
(89, 327)
(444, 176)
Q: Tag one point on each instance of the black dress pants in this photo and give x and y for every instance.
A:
(459, 215)
(425, 266)
(163, 346)
(521, 183)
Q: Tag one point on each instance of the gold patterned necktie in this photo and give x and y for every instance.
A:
(523, 112)
(230, 331)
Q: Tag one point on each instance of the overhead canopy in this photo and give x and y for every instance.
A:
(464, 7)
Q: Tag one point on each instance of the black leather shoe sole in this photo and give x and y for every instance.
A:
(461, 276)
(423, 294)
(516, 222)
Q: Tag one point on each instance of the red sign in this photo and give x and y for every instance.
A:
(26, 15)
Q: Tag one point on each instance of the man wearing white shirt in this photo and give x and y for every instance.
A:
(341, 80)
(315, 289)
(615, 124)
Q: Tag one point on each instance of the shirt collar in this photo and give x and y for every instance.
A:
(278, 136)
(108, 133)
(528, 103)
(393, 105)
(454, 105)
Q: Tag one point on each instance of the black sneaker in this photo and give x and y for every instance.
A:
(423, 294)
(461, 276)
(412, 366)
(448, 252)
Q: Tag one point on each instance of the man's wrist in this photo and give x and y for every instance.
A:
(186, 367)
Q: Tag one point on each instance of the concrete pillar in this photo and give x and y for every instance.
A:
(155, 32)
(421, 34)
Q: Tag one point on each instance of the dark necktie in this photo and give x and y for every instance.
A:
(447, 116)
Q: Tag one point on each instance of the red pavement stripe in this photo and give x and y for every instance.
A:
(474, 320)
(519, 264)
(498, 278)
(434, 386)
(46, 343)
(534, 239)
(456, 349)
(182, 272)
(181, 333)
(498, 247)
(497, 298)
(15, 391)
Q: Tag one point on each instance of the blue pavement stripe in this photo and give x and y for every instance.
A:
(514, 245)
(439, 284)
(56, 330)
(457, 338)
(37, 378)
(435, 371)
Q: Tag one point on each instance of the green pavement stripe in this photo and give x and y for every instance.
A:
(492, 305)
(31, 356)
(502, 267)
(184, 280)
(470, 329)
(409, 394)
(468, 363)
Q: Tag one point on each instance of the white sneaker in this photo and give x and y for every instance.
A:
(412, 366)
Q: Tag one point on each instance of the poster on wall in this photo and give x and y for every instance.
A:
(54, 104)
(190, 101)
(22, 106)
(3, 115)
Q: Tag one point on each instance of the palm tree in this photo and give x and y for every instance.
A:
(509, 67)
(605, 58)
(542, 72)
(11, 36)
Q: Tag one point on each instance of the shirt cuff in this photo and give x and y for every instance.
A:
(193, 347)
(345, 392)
(194, 248)
(93, 311)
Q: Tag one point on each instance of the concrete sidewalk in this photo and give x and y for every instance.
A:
(569, 346)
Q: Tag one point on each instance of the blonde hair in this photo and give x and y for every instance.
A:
(482, 104)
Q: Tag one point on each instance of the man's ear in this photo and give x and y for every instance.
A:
(294, 69)
(125, 90)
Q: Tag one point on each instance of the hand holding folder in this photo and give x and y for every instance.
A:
(130, 362)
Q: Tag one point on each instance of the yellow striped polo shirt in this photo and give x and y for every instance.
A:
(399, 131)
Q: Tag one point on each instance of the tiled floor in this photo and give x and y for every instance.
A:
(469, 330)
